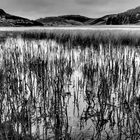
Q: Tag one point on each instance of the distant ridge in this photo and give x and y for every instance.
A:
(77, 18)
(67, 20)
(11, 20)
(131, 16)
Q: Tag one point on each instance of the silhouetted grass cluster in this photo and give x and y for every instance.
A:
(85, 38)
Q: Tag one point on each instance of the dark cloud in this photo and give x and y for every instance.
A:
(89, 2)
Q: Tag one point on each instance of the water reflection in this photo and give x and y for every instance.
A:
(70, 91)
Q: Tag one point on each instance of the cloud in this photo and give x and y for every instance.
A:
(93, 2)
(36, 8)
(30, 5)
(42, 8)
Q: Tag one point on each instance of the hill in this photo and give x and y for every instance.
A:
(131, 16)
(67, 20)
(11, 20)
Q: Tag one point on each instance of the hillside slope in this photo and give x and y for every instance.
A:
(11, 20)
(131, 16)
(66, 20)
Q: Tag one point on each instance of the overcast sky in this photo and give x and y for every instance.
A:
(34, 9)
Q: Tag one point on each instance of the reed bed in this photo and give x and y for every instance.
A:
(70, 85)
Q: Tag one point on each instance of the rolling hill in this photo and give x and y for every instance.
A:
(67, 20)
(11, 20)
(131, 16)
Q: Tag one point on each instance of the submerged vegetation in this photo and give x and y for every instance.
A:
(70, 85)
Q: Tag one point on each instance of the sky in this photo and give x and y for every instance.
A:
(34, 9)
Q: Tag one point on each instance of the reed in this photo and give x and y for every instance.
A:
(45, 75)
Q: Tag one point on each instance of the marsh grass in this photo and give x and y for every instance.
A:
(81, 37)
(39, 87)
